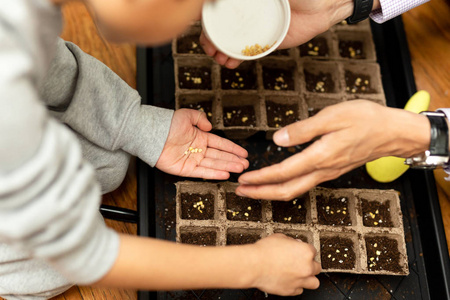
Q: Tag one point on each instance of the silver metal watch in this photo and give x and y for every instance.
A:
(438, 153)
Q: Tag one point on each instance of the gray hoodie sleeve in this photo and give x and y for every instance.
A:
(100, 106)
(49, 197)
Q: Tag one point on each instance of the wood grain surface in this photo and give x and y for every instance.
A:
(428, 33)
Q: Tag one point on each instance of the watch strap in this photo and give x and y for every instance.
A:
(439, 134)
(361, 11)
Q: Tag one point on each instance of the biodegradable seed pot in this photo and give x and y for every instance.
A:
(329, 219)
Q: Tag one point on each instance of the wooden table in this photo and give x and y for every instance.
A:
(428, 33)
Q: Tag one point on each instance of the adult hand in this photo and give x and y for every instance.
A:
(352, 133)
(285, 266)
(308, 19)
(215, 156)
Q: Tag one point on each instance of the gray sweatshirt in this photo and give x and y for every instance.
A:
(49, 197)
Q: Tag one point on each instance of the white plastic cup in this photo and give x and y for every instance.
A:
(232, 25)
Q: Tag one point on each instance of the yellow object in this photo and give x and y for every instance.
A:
(387, 169)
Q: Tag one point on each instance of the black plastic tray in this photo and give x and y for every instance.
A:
(425, 238)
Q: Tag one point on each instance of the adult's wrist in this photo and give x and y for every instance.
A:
(413, 131)
(342, 9)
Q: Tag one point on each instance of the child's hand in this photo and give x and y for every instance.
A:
(286, 266)
(191, 151)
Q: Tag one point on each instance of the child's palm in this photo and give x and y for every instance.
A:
(191, 151)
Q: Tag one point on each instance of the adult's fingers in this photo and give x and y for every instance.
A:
(222, 144)
(297, 292)
(226, 156)
(280, 191)
(310, 283)
(294, 187)
(317, 268)
(207, 46)
(222, 165)
(304, 131)
(297, 165)
(232, 63)
(220, 58)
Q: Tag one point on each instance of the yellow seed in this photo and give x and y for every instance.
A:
(344, 212)
(246, 214)
(337, 251)
(329, 255)
(200, 150)
(327, 208)
(375, 223)
(375, 245)
(377, 211)
(244, 119)
(249, 208)
(190, 148)
(372, 258)
(332, 212)
(378, 252)
(345, 255)
(299, 207)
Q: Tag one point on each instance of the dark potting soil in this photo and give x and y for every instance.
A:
(337, 253)
(333, 211)
(194, 78)
(376, 214)
(243, 209)
(280, 115)
(239, 116)
(197, 206)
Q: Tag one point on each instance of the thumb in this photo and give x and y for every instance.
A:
(304, 131)
(199, 119)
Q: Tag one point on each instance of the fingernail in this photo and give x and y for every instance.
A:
(240, 194)
(281, 137)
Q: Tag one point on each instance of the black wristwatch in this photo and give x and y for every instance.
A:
(438, 154)
(361, 11)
